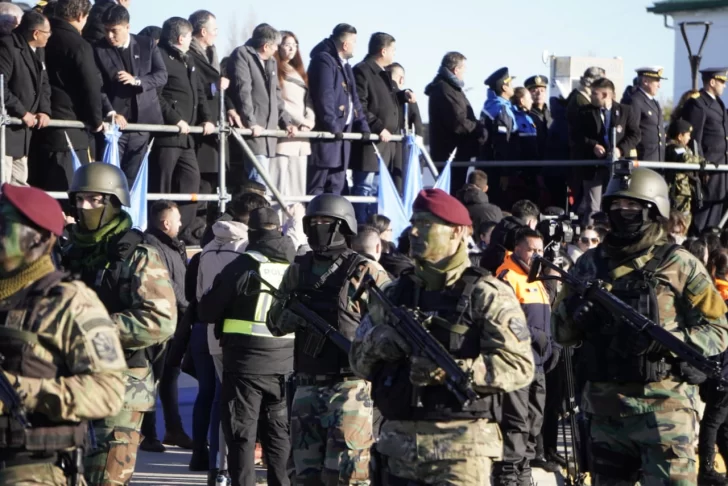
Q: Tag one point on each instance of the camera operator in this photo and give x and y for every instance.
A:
(524, 213)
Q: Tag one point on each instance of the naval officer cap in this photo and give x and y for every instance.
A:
(654, 72)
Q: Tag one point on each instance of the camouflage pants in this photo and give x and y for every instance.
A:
(455, 453)
(33, 475)
(654, 448)
(331, 431)
(113, 461)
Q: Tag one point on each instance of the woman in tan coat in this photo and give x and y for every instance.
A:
(288, 170)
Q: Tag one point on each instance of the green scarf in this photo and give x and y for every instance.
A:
(446, 272)
(90, 250)
(26, 276)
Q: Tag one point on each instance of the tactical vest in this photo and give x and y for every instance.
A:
(18, 339)
(327, 296)
(452, 323)
(612, 351)
(251, 314)
(105, 282)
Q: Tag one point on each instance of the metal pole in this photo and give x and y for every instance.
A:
(263, 173)
(221, 156)
(4, 115)
(428, 159)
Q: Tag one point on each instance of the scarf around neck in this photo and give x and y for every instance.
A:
(445, 273)
(90, 250)
(26, 276)
(209, 54)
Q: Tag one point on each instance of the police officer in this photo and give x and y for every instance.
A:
(71, 375)
(255, 363)
(499, 119)
(331, 415)
(132, 282)
(476, 317)
(639, 396)
(707, 114)
(644, 104)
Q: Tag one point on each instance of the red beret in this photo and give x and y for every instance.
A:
(41, 209)
(442, 205)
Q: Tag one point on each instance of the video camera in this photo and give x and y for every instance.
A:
(557, 232)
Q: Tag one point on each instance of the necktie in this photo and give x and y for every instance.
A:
(607, 117)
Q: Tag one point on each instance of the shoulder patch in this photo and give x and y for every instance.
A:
(519, 328)
(104, 343)
(679, 151)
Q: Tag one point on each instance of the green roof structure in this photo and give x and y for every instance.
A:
(670, 6)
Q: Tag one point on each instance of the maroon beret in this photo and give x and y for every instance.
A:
(41, 209)
(442, 205)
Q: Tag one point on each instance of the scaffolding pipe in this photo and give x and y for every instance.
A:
(3, 115)
(222, 156)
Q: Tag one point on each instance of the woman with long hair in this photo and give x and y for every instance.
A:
(288, 170)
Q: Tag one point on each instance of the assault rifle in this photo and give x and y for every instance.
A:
(320, 327)
(594, 291)
(10, 399)
(408, 323)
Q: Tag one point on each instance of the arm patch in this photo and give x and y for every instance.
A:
(519, 328)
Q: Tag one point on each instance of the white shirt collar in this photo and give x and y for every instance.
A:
(649, 96)
(711, 94)
(127, 44)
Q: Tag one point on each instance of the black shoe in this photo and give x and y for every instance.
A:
(200, 460)
(178, 438)
(711, 477)
(547, 466)
(151, 445)
(557, 458)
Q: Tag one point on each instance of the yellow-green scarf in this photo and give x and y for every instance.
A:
(445, 273)
(35, 271)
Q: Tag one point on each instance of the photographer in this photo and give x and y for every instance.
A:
(524, 213)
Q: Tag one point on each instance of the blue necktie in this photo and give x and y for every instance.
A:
(607, 114)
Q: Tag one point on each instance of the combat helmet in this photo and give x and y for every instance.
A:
(333, 206)
(641, 184)
(101, 178)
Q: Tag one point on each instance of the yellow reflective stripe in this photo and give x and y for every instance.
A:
(250, 328)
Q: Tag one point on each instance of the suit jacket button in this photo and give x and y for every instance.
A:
(341, 108)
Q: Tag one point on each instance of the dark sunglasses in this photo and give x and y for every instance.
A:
(586, 240)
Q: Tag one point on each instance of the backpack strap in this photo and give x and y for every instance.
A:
(470, 278)
(661, 255)
(42, 288)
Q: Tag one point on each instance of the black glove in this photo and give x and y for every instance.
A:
(581, 311)
(366, 136)
(338, 135)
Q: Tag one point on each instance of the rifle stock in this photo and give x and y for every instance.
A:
(410, 328)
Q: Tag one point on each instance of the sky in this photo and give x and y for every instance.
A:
(490, 33)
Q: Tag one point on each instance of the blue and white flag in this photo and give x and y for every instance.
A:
(74, 157)
(111, 150)
(388, 200)
(443, 180)
(413, 177)
(138, 209)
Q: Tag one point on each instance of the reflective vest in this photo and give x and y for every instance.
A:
(253, 323)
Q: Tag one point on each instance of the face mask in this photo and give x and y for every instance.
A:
(94, 219)
(321, 237)
(627, 223)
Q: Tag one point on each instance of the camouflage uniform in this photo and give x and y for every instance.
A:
(148, 319)
(76, 335)
(683, 185)
(454, 452)
(331, 424)
(648, 428)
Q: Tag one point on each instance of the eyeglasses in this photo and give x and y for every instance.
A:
(47, 32)
(586, 240)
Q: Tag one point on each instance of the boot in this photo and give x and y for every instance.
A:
(178, 438)
(707, 475)
(545, 464)
(200, 460)
(151, 445)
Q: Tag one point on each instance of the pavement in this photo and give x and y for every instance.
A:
(170, 467)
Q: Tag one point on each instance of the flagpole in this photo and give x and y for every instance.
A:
(428, 159)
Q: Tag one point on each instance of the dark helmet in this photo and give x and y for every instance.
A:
(643, 185)
(101, 178)
(335, 207)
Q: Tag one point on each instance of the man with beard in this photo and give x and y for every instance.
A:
(435, 439)
(61, 350)
(641, 399)
(132, 282)
(332, 414)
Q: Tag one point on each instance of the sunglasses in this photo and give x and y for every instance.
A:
(586, 240)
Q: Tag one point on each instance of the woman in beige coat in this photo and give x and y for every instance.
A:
(288, 169)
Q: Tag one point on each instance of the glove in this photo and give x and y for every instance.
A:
(338, 136)
(424, 372)
(582, 311)
(290, 321)
(390, 346)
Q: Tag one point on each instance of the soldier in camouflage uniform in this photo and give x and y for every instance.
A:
(131, 280)
(331, 415)
(685, 187)
(638, 396)
(61, 350)
(428, 437)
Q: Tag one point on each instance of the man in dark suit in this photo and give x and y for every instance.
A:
(75, 95)
(707, 114)
(174, 165)
(203, 51)
(256, 94)
(378, 97)
(593, 134)
(332, 89)
(646, 107)
(132, 71)
(27, 92)
(452, 121)
(94, 30)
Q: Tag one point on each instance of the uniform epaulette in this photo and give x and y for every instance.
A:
(695, 95)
